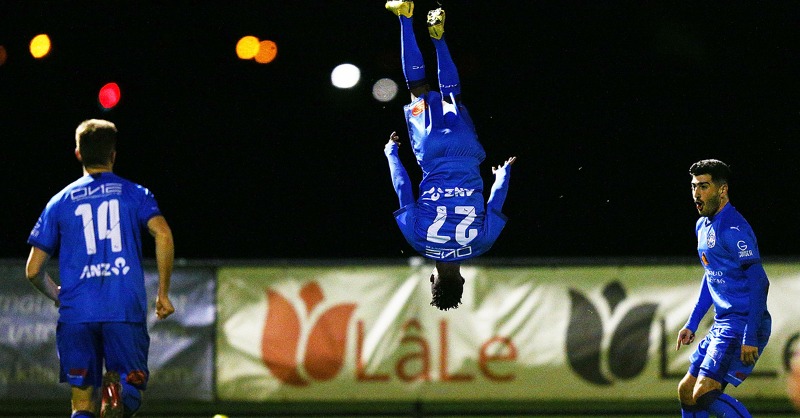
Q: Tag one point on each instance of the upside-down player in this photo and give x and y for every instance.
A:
(449, 221)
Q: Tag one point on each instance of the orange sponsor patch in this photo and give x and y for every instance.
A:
(418, 108)
(705, 260)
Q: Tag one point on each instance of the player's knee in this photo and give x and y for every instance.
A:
(705, 386)
(686, 389)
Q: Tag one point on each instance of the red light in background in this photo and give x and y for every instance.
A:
(109, 95)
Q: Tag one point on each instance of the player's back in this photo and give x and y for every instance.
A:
(96, 224)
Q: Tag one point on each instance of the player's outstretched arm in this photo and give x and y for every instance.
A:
(502, 174)
(400, 179)
(165, 256)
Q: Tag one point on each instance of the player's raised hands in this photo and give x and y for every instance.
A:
(507, 163)
(394, 142)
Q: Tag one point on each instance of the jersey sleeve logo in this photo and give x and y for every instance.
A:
(744, 250)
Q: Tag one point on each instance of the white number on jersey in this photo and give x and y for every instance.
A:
(107, 225)
(464, 235)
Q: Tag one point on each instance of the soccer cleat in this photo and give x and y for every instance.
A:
(111, 406)
(436, 23)
(401, 7)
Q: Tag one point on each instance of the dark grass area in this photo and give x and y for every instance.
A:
(775, 408)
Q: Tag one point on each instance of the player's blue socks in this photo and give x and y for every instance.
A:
(82, 414)
(413, 64)
(131, 398)
(449, 82)
(693, 411)
(723, 405)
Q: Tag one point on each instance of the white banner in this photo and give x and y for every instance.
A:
(546, 333)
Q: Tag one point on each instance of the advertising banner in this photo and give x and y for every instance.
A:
(543, 333)
(181, 346)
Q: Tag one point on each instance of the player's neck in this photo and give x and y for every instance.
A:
(97, 169)
(722, 206)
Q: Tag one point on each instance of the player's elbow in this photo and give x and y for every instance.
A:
(32, 272)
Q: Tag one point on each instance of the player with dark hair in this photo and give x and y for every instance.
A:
(95, 225)
(448, 222)
(736, 285)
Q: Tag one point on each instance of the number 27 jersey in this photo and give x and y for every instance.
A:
(96, 223)
(449, 221)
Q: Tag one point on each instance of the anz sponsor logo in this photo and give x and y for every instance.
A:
(102, 190)
(743, 249)
(443, 254)
(120, 267)
(436, 193)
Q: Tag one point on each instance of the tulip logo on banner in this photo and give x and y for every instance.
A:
(629, 345)
(319, 338)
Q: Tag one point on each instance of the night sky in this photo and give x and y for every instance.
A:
(605, 104)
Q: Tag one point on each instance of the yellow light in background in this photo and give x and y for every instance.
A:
(3, 55)
(247, 47)
(40, 46)
(267, 50)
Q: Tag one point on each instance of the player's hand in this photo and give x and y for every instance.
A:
(749, 355)
(164, 307)
(394, 142)
(507, 163)
(685, 337)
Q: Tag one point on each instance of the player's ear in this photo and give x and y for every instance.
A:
(78, 155)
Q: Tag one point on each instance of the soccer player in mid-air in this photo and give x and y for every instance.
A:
(95, 224)
(736, 285)
(448, 222)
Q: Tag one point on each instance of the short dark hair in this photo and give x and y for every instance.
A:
(97, 140)
(447, 293)
(719, 171)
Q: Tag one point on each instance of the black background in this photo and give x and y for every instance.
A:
(605, 104)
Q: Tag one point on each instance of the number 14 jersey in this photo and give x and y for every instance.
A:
(96, 224)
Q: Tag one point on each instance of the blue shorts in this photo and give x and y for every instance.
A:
(440, 129)
(84, 347)
(718, 356)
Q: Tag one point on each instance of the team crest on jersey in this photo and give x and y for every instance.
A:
(418, 108)
(711, 239)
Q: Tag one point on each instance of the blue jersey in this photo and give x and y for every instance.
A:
(449, 220)
(725, 245)
(95, 223)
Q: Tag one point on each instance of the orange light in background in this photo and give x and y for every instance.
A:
(267, 50)
(40, 46)
(3, 55)
(109, 95)
(247, 47)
